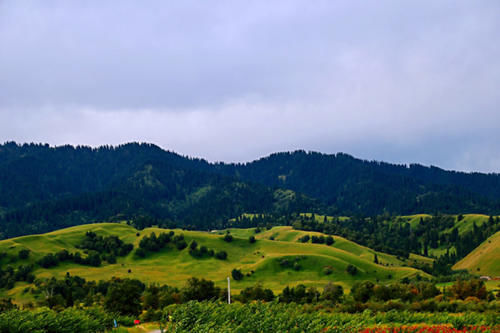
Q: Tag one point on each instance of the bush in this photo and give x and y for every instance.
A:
(351, 269)
(222, 255)
(332, 292)
(255, 293)
(362, 292)
(228, 238)
(181, 245)
(329, 240)
(24, 254)
(48, 261)
(318, 239)
(284, 263)
(6, 304)
(462, 289)
(236, 274)
(124, 296)
(200, 290)
(304, 239)
(105, 245)
(140, 252)
(111, 259)
(93, 259)
(251, 239)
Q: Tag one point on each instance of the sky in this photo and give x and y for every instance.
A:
(399, 81)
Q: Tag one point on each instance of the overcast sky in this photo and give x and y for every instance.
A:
(400, 81)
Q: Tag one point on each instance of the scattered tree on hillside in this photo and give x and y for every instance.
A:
(236, 274)
(351, 269)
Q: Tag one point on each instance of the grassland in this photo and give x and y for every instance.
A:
(174, 267)
(465, 224)
(413, 220)
(468, 220)
(485, 259)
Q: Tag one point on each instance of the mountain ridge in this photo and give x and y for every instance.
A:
(44, 187)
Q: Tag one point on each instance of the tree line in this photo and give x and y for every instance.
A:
(133, 297)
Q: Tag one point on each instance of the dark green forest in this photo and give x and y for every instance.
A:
(44, 188)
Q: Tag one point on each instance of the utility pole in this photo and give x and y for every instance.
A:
(228, 291)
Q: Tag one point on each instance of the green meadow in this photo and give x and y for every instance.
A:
(485, 259)
(261, 260)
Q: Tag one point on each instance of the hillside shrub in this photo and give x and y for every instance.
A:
(153, 243)
(351, 269)
(304, 239)
(236, 274)
(255, 293)
(200, 290)
(332, 293)
(124, 296)
(140, 252)
(222, 255)
(105, 245)
(228, 238)
(24, 254)
(181, 244)
(318, 239)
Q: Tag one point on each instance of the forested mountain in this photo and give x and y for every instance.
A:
(352, 186)
(44, 188)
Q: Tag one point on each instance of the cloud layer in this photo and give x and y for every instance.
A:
(227, 80)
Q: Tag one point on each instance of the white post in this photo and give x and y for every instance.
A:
(228, 291)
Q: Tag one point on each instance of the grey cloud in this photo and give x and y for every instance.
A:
(412, 81)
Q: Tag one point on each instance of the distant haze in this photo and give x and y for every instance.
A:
(401, 81)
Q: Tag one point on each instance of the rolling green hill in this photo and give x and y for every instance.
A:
(174, 267)
(463, 224)
(485, 259)
(468, 220)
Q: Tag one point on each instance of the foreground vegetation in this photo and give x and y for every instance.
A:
(274, 317)
(44, 320)
(85, 306)
(255, 317)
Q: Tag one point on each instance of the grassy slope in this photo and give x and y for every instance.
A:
(414, 219)
(486, 257)
(467, 222)
(173, 267)
(463, 226)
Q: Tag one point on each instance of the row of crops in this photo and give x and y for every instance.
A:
(275, 317)
(70, 320)
(253, 317)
